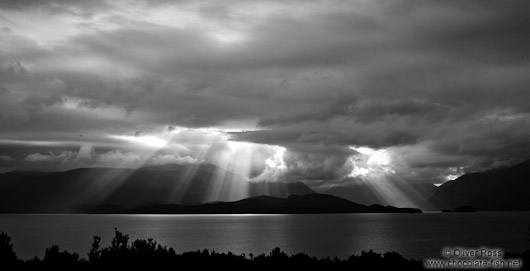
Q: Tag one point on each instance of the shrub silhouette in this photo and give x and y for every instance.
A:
(95, 252)
(148, 253)
(55, 257)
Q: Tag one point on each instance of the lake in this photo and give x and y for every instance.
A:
(412, 235)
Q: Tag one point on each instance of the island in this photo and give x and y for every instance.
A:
(295, 204)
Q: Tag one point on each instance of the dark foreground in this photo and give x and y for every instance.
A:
(148, 254)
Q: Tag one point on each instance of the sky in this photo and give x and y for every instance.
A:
(331, 93)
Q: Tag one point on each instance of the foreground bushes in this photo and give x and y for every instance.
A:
(148, 254)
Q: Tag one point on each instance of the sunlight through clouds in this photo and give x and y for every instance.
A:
(148, 141)
(275, 166)
(370, 162)
(324, 92)
(276, 161)
(255, 162)
(373, 167)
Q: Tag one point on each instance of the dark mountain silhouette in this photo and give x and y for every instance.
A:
(364, 194)
(86, 189)
(503, 189)
(294, 204)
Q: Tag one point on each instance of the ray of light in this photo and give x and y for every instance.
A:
(183, 182)
(103, 186)
(374, 167)
(222, 173)
(231, 182)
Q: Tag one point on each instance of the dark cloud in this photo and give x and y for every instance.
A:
(336, 132)
(316, 166)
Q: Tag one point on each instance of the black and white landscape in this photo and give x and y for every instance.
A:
(355, 121)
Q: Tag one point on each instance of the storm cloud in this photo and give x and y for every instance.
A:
(439, 87)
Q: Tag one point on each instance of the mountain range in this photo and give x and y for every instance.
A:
(86, 189)
(181, 188)
(500, 189)
(364, 193)
(497, 189)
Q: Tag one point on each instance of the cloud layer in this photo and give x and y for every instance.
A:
(440, 86)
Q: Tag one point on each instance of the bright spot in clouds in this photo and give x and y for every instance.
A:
(370, 162)
(451, 177)
(379, 158)
(455, 173)
(276, 161)
(147, 141)
(275, 167)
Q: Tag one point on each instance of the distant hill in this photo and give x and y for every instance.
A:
(365, 194)
(503, 189)
(87, 189)
(294, 204)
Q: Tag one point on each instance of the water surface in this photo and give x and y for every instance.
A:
(412, 235)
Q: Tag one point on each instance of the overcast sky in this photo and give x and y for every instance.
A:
(328, 92)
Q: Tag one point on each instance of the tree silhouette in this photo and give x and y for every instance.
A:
(7, 255)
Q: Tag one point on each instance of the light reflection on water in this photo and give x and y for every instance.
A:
(412, 235)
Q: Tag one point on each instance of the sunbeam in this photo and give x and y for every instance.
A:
(375, 169)
(108, 181)
(206, 160)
